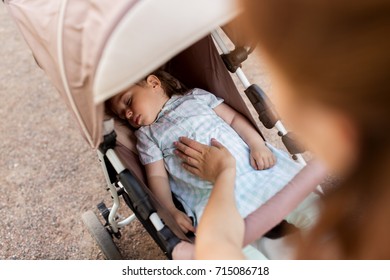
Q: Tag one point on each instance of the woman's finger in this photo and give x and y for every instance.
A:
(216, 143)
(187, 159)
(187, 150)
(195, 145)
(184, 157)
(191, 169)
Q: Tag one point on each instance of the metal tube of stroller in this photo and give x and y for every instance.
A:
(245, 82)
(116, 163)
(112, 215)
(241, 76)
(300, 159)
(119, 168)
(156, 221)
(126, 221)
(111, 218)
(221, 44)
(280, 127)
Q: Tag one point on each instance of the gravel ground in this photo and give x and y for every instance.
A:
(48, 174)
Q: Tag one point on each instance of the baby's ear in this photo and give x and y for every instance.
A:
(153, 81)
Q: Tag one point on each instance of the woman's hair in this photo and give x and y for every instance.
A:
(169, 84)
(338, 52)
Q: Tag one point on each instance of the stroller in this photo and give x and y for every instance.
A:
(92, 50)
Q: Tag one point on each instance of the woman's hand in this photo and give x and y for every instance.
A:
(204, 161)
(261, 157)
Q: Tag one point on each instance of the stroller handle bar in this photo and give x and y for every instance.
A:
(264, 107)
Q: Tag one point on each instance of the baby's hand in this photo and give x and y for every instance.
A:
(261, 157)
(183, 221)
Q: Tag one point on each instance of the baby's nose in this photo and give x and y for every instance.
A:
(129, 113)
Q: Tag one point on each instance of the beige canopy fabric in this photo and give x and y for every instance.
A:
(93, 49)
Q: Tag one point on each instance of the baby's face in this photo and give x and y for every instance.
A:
(139, 105)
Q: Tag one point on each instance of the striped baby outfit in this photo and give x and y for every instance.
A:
(192, 115)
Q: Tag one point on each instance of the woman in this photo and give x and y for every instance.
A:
(330, 63)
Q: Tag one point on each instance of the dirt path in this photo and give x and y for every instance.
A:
(48, 174)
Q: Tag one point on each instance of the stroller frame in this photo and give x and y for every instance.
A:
(122, 183)
(79, 45)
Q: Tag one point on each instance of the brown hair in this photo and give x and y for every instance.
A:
(337, 51)
(169, 84)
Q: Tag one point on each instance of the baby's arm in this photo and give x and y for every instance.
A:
(159, 184)
(260, 157)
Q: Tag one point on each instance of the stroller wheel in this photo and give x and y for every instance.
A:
(101, 236)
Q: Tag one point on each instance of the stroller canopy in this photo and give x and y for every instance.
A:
(92, 50)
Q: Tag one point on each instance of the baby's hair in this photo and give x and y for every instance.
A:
(169, 84)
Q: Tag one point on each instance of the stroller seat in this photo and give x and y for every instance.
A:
(187, 67)
(198, 66)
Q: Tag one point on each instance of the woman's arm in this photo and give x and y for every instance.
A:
(159, 184)
(221, 230)
(261, 157)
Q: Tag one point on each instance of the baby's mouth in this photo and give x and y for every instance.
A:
(136, 120)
